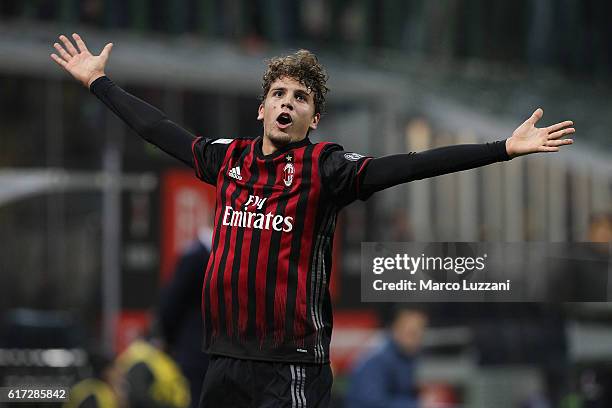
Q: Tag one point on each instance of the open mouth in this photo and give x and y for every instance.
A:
(283, 120)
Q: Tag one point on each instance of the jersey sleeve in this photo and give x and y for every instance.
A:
(342, 174)
(208, 157)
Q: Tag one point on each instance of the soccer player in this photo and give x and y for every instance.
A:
(265, 301)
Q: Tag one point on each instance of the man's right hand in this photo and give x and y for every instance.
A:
(81, 64)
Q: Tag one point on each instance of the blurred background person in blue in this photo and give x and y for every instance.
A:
(386, 377)
(180, 316)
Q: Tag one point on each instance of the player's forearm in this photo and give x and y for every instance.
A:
(387, 171)
(149, 122)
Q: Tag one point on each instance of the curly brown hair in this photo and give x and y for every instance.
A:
(302, 66)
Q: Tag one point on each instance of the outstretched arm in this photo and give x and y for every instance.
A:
(395, 169)
(149, 122)
(388, 171)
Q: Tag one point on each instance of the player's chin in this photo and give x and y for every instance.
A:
(277, 136)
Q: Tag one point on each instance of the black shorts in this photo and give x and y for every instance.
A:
(235, 383)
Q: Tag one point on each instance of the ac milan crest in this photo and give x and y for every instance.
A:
(288, 172)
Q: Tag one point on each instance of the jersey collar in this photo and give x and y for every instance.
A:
(259, 153)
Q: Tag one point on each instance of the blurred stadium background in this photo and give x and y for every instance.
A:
(92, 218)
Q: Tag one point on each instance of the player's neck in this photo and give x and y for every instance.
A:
(269, 147)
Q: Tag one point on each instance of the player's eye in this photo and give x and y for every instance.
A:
(300, 97)
(277, 93)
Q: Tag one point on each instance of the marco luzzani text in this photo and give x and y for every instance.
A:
(410, 264)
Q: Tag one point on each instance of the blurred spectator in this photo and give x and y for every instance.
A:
(180, 314)
(153, 379)
(104, 390)
(385, 379)
(600, 228)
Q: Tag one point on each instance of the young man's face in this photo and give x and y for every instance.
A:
(408, 330)
(287, 112)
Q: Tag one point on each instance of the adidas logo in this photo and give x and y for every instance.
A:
(235, 173)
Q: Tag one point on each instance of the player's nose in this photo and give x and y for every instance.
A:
(287, 105)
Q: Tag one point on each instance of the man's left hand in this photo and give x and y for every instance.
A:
(528, 139)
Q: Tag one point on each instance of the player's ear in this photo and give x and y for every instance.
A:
(260, 112)
(315, 121)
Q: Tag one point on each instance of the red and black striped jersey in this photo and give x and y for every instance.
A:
(266, 285)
